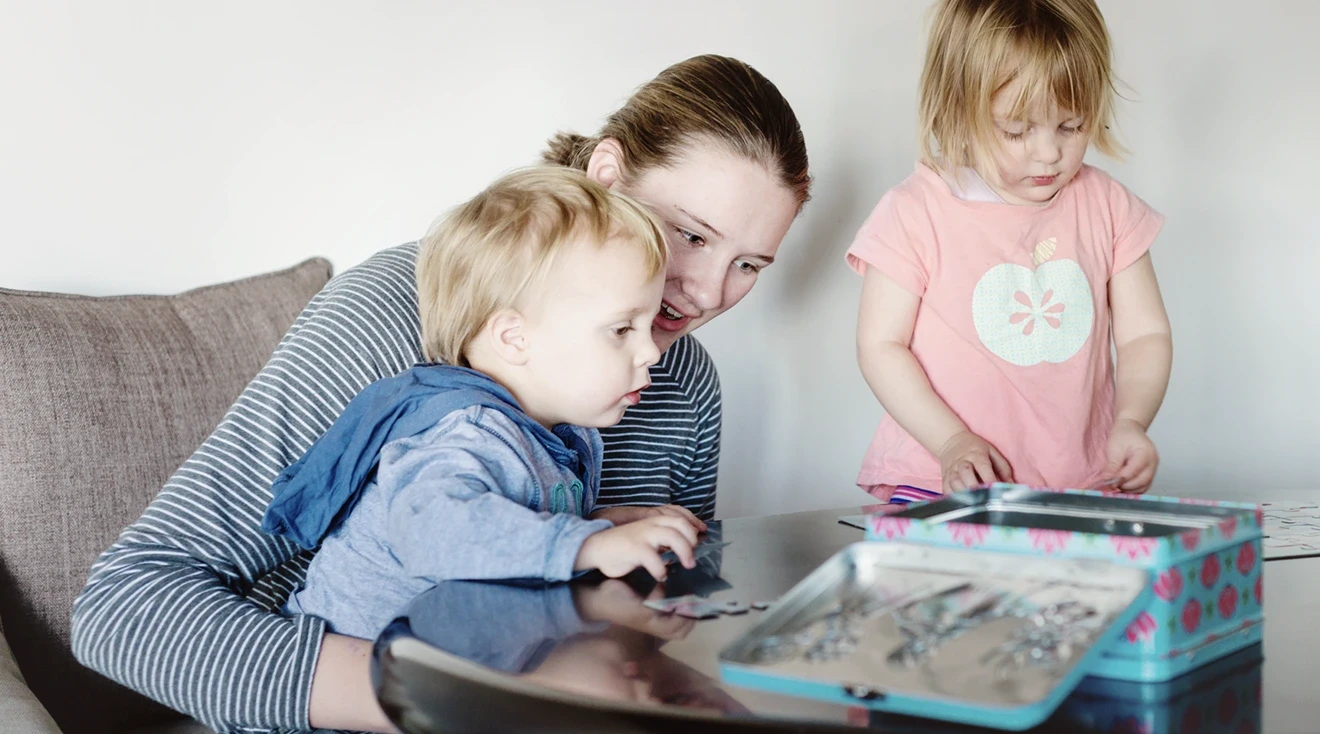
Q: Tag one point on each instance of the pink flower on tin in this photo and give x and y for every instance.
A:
(1169, 585)
(1191, 539)
(1228, 602)
(1142, 628)
(1048, 541)
(1133, 548)
(1191, 615)
(1260, 591)
(1228, 705)
(1228, 527)
(1210, 571)
(968, 534)
(1191, 720)
(891, 527)
(1246, 559)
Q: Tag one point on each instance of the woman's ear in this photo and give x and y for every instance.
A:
(605, 166)
(507, 337)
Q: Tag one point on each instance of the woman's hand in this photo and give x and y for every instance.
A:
(625, 514)
(1133, 459)
(967, 460)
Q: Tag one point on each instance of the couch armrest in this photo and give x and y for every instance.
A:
(19, 708)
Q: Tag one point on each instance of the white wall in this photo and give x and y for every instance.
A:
(155, 146)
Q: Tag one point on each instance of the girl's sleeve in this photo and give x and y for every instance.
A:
(1135, 223)
(894, 240)
(164, 609)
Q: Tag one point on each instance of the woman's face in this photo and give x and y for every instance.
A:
(724, 217)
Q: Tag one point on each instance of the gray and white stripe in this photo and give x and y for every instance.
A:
(180, 607)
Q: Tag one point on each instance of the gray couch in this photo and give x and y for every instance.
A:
(101, 399)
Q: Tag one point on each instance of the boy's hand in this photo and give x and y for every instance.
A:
(624, 514)
(967, 461)
(1132, 457)
(619, 550)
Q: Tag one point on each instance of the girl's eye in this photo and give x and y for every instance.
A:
(621, 331)
(1070, 129)
(747, 266)
(692, 238)
(1013, 136)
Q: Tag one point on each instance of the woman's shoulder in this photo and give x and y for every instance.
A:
(686, 368)
(389, 273)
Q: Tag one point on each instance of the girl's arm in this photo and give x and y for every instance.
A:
(885, 321)
(1144, 342)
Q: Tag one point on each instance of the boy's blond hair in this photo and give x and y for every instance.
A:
(1058, 49)
(483, 255)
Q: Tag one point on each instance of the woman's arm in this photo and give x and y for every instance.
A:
(163, 611)
(885, 321)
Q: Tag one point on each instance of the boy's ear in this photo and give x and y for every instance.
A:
(507, 335)
(605, 166)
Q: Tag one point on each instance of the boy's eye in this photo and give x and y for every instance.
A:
(692, 238)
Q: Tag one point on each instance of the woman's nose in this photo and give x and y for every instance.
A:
(705, 288)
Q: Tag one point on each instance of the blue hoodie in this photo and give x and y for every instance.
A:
(432, 475)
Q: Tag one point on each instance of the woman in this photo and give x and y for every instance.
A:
(181, 607)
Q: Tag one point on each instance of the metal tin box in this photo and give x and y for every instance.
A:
(1204, 560)
(973, 637)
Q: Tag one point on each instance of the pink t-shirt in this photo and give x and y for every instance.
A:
(1013, 327)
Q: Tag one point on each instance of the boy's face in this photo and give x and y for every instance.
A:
(589, 336)
(1034, 158)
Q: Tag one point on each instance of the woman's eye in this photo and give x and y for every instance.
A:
(692, 238)
(748, 266)
(621, 331)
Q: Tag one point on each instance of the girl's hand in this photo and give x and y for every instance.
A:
(1132, 457)
(624, 514)
(967, 461)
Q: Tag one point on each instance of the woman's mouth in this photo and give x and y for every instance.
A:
(670, 318)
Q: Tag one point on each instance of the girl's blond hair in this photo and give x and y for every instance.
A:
(1058, 49)
(483, 255)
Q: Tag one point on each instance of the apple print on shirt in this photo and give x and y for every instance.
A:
(1025, 316)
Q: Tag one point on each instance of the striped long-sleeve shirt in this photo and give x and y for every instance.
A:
(180, 608)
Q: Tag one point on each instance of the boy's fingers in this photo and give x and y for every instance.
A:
(674, 541)
(678, 525)
(650, 560)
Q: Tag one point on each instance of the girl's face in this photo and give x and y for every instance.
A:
(724, 217)
(1034, 158)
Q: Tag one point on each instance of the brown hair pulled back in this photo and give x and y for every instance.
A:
(705, 97)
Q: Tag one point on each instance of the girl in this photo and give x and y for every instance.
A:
(995, 272)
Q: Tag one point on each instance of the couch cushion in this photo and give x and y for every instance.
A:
(101, 400)
(19, 709)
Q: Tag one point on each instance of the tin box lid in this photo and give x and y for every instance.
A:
(978, 637)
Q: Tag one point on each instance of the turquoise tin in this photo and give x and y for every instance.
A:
(972, 637)
(1220, 697)
(1204, 561)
